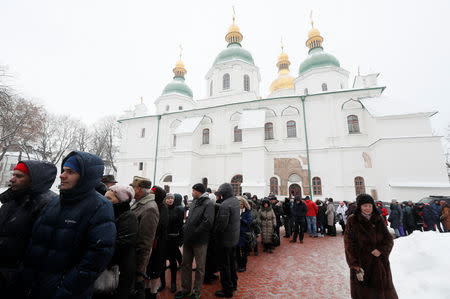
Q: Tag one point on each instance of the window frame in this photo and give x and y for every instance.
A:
(353, 124)
(273, 183)
(291, 126)
(324, 87)
(226, 81)
(268, 131)
(142, 132)
(237, 134)
(317, 185)
(236, 182)
(360, 185)
(205, 136)
(246, 82)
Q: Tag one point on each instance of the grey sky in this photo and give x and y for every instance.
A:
(94, 58)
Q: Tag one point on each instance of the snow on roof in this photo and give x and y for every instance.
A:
(251, 119)
(384, 106)
(419, 265)
(188, 125)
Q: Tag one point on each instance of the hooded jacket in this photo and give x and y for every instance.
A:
(73, 240)
(227, 223)
(19, 211)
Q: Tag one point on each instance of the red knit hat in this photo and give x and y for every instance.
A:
(22, 167)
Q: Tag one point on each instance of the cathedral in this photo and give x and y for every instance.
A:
(317, 133)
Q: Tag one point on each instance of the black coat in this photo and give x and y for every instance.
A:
(175, 224)
(198, 225)
(278, 212)
(299, 211)
(287, 208)
(321, 214)
(227, 223)
(20, 210)
(125, 248)
(73, 240)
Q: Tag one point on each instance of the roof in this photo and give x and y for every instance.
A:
(318, 58)
(178, 86)
(383, 106)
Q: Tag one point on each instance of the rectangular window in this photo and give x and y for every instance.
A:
(142, 132)
(141, 165)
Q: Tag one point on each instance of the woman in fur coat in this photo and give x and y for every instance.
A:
(268, 222)
(368, 244)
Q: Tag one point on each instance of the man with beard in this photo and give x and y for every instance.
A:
(21, 206)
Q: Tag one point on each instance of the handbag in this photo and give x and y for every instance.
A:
(275, 239)
(108, 281)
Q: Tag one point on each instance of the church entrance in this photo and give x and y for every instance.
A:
(294, 190)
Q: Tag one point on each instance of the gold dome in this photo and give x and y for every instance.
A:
(179, 70)
(234, 35)
(284, 80)
(314, 38)
(313, 32)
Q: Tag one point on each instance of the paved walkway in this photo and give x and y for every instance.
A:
(314, 269)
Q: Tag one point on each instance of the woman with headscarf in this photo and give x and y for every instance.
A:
(127, 231)
(243, 249)
(268, 222)
(368, 244)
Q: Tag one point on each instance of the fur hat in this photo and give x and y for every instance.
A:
(199, 187)
(244, 202)
(123, 193)
(364, 198)
(141, 182)
(169, 195)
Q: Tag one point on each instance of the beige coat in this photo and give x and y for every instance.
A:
(446, 216)
(267, 219)
(146, 211)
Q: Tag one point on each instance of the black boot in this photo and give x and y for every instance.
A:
(173, 278)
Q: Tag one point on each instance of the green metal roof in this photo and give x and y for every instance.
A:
(178, 86)
(318, 58)
(234, 51)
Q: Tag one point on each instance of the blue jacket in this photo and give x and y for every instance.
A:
(73, 240)
(246, 222)
(437, 212)
(396, 217)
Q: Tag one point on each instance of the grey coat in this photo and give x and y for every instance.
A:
(200, 221)
(227, 223)
(330, 213)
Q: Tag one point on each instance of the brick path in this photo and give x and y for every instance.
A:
(314, 269)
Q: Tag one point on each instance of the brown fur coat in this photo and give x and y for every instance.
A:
(361, 237)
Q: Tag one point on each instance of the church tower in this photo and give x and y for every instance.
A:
(284, 84)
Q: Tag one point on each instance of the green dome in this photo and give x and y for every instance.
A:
(178, 86)
(234, 51)
(318, 58)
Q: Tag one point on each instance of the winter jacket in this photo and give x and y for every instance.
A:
(287, 208)
(20, 209)
(147, 213)
(312, 208)
(341, 211)
(73, 240)
(125, 248)
(396, 216)
(299, 211)
(267, 220)
(408, 218)
(158, 255)
(437, 212)
(227, 222)
(278, 212)
(321, 213)
(245, 226)
(446, 216)
(361, 237)
(330, 212)
(175, 225)
(200, 221)
(427, 214)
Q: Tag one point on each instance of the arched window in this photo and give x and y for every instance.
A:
(211, 88)
(305, 91)
(205, 182)
(317, 186)
(180, 107)
(353, 124)
(205, 139)
(360, 188)
(274, 185)
(168, 179)
(291, 129)
(246, 83)
(174, 143)
(167, 107)
(268, 131)
(237, 134)
(142, 132)
(236, 182)
(226, 82)
(324, 87)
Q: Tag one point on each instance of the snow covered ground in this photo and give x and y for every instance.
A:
(420, 265)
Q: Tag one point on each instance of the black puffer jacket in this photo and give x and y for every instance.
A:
(227, 223)
(299, 210)
(200, 221)
(20, 209)
(175, 226)
(73, 240)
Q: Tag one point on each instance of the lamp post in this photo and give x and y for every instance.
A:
(303, 98)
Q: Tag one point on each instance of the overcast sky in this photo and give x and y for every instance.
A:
(95, 58)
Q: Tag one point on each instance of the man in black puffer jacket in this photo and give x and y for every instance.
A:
(227, 229)
(73, 239)
(299, 211)
(21, 206)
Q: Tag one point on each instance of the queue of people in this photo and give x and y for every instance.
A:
(99, 239)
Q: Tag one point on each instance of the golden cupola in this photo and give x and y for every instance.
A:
(234, 35)
(179, 70)
(284, 80)
(314, 38)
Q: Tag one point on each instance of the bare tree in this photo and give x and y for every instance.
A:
(58, 135)
(105, 140)
(20, 121)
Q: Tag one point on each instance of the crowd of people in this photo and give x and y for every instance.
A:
(99, 239)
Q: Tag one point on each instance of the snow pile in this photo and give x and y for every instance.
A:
(420, 265)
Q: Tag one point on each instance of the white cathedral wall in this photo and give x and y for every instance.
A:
(335, 79)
